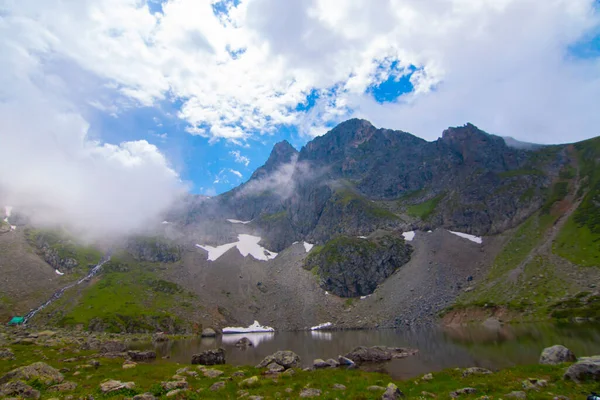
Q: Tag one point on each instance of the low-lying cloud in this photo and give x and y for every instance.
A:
(53, 172)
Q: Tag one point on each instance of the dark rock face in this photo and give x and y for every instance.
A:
(209, 357)
(557, 354)
(154, 249)
(351, 267)
(377, 354)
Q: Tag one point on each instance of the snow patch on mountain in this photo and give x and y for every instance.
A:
(308, 246)
(58, 272)
(321, 326)
(255, 327)
(246, 245)
(236, 221)
(472, 238)
(409, 236)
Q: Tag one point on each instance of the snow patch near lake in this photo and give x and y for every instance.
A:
(409, 236)
(237, 221)
(255, 337)
(246, 245)
(321, 326)
(255, 327)
(308, 246)
(472, 238)
(58, 272)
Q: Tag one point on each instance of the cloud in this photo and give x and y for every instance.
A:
(236, 173)
(53, 171)
(240, 158)
(502, 64)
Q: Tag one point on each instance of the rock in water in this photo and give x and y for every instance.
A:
(285, 358)
(209, 357)
(141, 355)
(392, 392)
(377, 354)
(37, 371)
(243, 343)
(208, 332)
(587, 368)
(319, 363)
(557, 354)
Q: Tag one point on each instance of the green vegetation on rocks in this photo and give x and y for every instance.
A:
(425, 209)
(351, 267)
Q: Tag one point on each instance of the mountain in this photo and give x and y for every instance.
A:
(362, 227)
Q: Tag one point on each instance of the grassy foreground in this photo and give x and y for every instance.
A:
(76, 366)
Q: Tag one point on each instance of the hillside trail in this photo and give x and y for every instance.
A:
(58, 294)
(544, 248)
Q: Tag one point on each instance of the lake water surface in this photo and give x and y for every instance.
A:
(439, 348)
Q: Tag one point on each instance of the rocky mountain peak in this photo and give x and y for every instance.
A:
(283, 153)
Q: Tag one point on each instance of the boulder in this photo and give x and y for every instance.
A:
(144, 396)
(212, 373)
(208, 332)
(136, 355)
(160, 337)
(377, 354)
(557, 354)
(310, 392)
(475, 371)
(19, 389)
(250, 382)
(319, 363)
(339, 386)
(275, 368)
(171, 385)
(392, 392)
(460, 392)
(210, 357)
(285, 358)
(6, 354)
(217, 386)
(517, 395)
(113, 385)
(37, 371)
(587, 368)
(129, 364)
(113, 347)
(63, 387)
(332, 363)
(346, 362)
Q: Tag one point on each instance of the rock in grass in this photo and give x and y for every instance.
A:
(285, 358)
(332, 363)
(37, 371)
(427, 377)
(212, 373)
(310, 392)
(129, 364)
(557, 354)
(346, 362)
(171, 385)
(6, 354)
(587, 368)
(534, 384)
(113, 385)
(20, 389)
(250, 382)
(338, 386)
(517, 395)
(460, 392)
(209, 357)
(375, 388)
(275, 368)
(63, 387)
(144, 396)
(475, 371)
(392, 393)
(217, 386)
(319, 363)
(177, 393)
(113, 346)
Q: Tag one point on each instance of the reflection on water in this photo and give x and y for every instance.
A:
(439, 348)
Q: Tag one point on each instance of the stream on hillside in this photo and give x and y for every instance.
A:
(439, 348)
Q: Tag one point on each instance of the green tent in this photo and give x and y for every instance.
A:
(16, 321)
